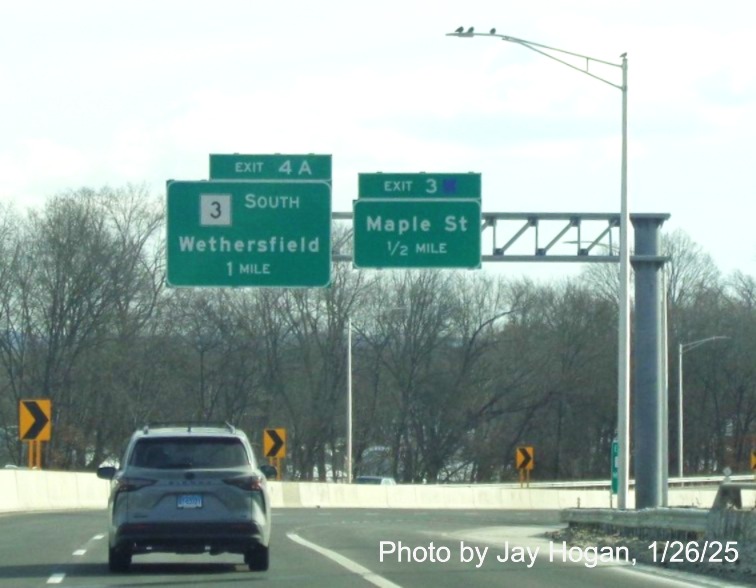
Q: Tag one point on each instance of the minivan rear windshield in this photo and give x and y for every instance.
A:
(188, 452)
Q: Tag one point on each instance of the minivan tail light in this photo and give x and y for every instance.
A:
(132, 484)
(249, 483)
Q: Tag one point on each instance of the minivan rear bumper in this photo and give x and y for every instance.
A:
(196, 537)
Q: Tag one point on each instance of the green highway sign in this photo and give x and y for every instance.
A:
(415, 233)
(420, 185)
(279, 166)
(265, 233)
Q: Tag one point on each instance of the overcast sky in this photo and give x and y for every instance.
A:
(95, 93)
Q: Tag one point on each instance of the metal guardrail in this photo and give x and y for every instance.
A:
(674, 520)
(731, 518)
(581, 484)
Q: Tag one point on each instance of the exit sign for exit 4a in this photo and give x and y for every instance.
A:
(276, 166)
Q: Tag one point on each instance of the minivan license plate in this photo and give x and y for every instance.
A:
(189, 501)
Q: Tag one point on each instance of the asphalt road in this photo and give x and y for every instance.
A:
(329, 547)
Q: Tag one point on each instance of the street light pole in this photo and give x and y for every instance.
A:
(681, 349)
(623, 351)
(349, 451)
(349, 402)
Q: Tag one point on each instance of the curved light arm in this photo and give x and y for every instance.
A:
(693, 344)
(537, 48)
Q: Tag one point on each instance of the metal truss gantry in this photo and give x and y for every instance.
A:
(583, 237)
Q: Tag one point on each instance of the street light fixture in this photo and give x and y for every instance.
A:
(623, 378)
(681, 349)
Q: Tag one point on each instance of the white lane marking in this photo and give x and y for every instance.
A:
(58, 578)
(350, 565)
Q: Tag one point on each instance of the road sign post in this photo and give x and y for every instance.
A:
(416, 233)
(264, 233)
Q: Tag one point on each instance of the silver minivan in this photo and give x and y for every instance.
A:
(189, 489)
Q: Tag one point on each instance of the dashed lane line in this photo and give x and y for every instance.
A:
(59, 577)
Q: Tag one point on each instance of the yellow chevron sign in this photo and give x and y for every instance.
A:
(274, 443)
(524, 458)
(34, 420)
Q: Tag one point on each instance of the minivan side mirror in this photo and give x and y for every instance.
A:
(106, 472)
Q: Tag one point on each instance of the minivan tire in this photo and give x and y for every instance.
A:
(119, 560)
(258, 558)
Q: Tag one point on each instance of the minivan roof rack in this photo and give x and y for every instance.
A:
(188, 425)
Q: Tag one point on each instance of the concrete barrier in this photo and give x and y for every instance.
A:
(34, 490)
(315, 494)
(8, 491)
